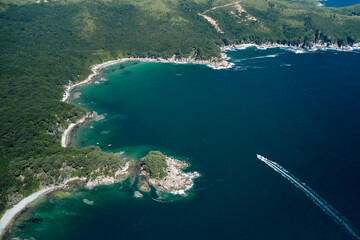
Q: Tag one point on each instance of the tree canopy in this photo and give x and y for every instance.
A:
(155, 164)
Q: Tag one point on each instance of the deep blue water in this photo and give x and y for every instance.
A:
(339, 3)
(299, 110)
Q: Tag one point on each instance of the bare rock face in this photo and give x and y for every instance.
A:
(138, 194)
(99, 117)
(176, 181)
(144, 186)
(77, 94)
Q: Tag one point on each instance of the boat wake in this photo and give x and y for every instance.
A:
(259, 57)
(317, 199)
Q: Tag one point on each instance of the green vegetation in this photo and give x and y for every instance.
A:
(89, 162)
(155, 164)
(43, 45)
(290, 24)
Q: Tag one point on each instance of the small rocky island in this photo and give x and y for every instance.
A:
(165, 174)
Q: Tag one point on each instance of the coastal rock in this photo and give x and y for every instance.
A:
(88, 202)
(138, 194)
(144, 186)
(66, 134)
(60, 193)
(119, 153)
(77, 94)
(108, 180)
(100, 180)
(300, 48)
(176, 181)
(99, 117)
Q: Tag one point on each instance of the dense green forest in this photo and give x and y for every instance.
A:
(45, 44)
(280, 22)
(155, 164)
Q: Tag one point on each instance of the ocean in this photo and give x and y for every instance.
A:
(300, 111)
(339, 3)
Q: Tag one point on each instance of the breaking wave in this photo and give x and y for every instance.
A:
(162, 201)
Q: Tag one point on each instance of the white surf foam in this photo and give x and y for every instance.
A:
(319, 201)
(162, 201)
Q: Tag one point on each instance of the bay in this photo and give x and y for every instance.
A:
(300, 110)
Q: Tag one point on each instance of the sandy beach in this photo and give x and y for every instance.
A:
(11, 213)
(66, 134)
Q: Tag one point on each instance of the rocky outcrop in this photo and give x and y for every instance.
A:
(88, 202)
(143, 185)
(176, 181)
(138, 194)
(108, 180)
(77, 94)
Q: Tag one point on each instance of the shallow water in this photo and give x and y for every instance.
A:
(299, 110)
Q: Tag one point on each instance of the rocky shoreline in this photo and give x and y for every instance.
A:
(214, 62)
(11, 214)
(119, 175)
(298, 49)
(66, 134)
(176, 182)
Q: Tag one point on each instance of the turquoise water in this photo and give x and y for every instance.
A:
(299, 110)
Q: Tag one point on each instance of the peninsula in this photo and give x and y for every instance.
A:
(165, 174)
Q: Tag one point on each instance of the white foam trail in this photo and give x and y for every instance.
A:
(259, 57)
(319, 201)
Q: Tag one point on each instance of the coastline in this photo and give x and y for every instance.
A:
(297, 49)
(319, 3)
(213, 63)
(216, 64)
(10, 214)
(221, 63)
(176, 182)
(66, 134)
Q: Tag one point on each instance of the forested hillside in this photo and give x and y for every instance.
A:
(277, 21)
(44, 44)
